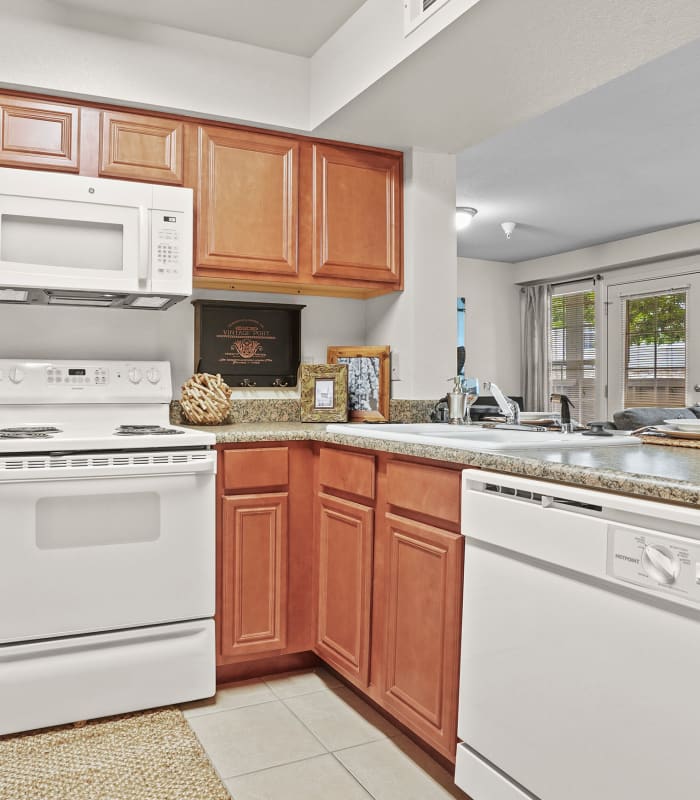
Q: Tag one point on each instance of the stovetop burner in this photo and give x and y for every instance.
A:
(29, 432)
(145, 430)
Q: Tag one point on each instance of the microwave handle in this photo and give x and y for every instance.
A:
(144, 246)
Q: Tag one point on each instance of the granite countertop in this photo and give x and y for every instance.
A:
(657, 473)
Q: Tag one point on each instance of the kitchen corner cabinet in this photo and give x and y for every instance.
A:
(389, 561)
(140, 147)
(343, 561)
(344, 564)
(352, 555)
(38, 134)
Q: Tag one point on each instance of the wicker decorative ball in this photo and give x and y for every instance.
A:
(206, 399)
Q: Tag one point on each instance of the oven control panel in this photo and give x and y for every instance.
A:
(655, 560)
(77, 376)
(45, 382)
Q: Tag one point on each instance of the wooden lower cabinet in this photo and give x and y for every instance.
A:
(422, 591)
(349, 556)
(254, 556)
(344, 569)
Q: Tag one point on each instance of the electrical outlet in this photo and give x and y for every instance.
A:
(395, 371)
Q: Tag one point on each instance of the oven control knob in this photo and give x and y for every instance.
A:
(16, 375)
(153, 375)
(135, 375)
(661, 564)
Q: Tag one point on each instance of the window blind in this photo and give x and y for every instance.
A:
(654, 363)
(572, 339)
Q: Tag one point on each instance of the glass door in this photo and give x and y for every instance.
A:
(653, 347)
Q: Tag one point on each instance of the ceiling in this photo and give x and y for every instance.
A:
(621, 160)
(300, 27)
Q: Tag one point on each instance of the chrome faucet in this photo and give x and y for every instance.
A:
(509, 408)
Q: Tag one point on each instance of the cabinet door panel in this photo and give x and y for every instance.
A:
(38, 135)
(254, 574)
(141, 148)
(247, 202)
(357, 219)
(423, 591)
(345, 586)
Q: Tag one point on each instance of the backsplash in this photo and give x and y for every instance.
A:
(289, 410)
(264, 410)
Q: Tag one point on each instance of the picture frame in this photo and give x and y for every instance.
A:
(369, 381)
(324, 392)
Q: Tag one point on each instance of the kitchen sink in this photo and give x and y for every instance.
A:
(475, 437)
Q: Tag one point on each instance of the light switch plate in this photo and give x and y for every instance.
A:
(395, 372)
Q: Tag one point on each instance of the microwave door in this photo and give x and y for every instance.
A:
(59, 244)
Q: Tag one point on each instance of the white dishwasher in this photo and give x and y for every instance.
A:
(580, 671)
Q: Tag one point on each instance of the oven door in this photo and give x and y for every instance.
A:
(62, 244)
(102, 547)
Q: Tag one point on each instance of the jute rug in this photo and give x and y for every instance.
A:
(152, 755)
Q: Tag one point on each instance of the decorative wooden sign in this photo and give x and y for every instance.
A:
(249, 344)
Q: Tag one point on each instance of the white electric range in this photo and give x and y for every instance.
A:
(107, 544)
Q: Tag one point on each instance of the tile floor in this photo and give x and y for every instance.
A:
(304, 736)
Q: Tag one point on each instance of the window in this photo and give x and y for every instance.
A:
(654, 364)
(572, 338)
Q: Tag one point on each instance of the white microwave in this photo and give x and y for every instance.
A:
(74, 240)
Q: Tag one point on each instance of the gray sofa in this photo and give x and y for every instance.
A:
(630, 419)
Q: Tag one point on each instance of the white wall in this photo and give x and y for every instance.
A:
(52, 48)
(493, 321)
(43, 332)
(420, 324)
(365, 48)
(671, 243)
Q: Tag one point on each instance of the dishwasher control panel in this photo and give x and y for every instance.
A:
(655, 560)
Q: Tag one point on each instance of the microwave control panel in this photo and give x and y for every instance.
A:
(166, 254)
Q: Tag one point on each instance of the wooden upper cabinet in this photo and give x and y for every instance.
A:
(357, 223)
(254, 565)
(38, 135)
(248, 200)
(344, 558)
(141, 148)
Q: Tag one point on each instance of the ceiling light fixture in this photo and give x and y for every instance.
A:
(465, 215)
(508, 228)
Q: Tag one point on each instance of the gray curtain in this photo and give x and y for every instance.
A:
(535, 363)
